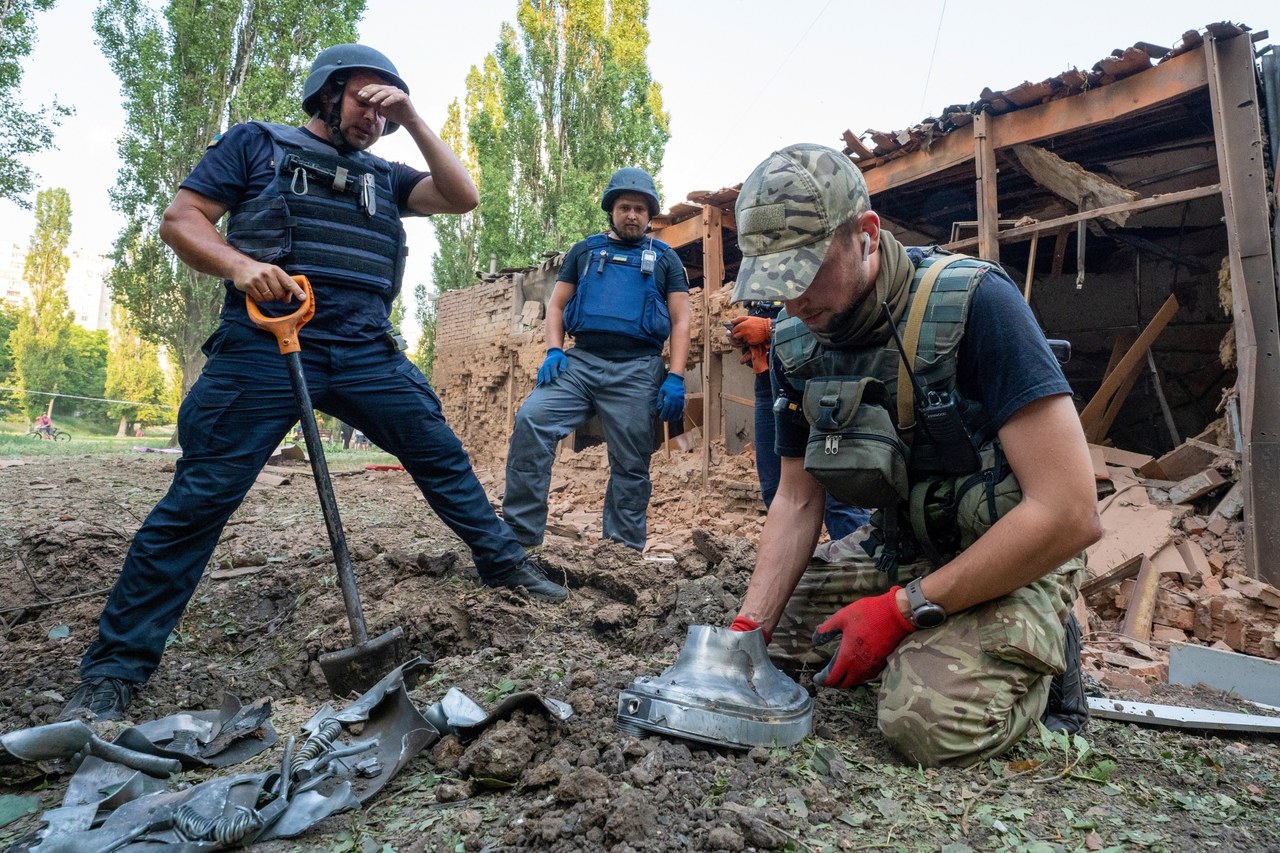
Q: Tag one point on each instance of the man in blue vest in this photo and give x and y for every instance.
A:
(960, 601)
(620, 295)
(310, 201)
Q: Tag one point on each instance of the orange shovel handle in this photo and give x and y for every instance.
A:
(285, 328)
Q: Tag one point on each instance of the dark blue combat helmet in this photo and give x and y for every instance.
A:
(630, 179)
(343, 59)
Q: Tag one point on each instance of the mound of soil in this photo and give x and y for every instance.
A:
(268, 607)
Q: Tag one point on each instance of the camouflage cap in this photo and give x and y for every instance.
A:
(786, 213)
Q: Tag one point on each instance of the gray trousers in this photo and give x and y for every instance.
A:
(623, 394)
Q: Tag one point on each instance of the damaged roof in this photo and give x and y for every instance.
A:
(1122, 63)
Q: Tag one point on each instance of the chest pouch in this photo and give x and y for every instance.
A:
(854, 450)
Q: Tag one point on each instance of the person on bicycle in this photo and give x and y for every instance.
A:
(44, 424)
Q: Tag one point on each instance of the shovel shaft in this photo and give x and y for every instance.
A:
(328, 505)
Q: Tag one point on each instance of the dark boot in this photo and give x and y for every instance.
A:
(101, 698)
(1068, 710)
(532, 577)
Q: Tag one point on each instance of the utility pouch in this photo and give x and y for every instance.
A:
(262, 228)
(983, 498)
(854, 450)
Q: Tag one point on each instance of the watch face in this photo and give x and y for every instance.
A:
(929, 616)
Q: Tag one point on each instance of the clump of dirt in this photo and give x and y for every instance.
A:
(268, 606)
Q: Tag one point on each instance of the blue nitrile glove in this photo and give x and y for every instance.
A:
(552, 366)
(670, 402)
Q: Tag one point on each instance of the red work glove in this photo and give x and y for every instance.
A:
(751, 331)
(870, 629)
(742, 623)
(758, 356)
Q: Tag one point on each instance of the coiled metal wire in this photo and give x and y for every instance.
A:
(318, 743)
(225, 830)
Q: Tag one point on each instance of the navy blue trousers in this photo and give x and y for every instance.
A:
(235, 416)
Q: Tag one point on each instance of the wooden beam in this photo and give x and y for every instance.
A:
(1093, 418)
(1073, 182)
(1059, 250)
(1233, 97)
(1031, 268)
(988, 195)
(1168, 81)
(712, 362)
(1142, 603)
(855, 146)
(1117, 400)
(1010, 235)
(682, 233)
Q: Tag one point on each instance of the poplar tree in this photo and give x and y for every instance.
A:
(133, 373)
(564, 100)
(85, 377)
(10, 316)
(22, 131)
(187, 73)
(40, 344)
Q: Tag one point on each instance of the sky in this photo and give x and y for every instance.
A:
(740, 78)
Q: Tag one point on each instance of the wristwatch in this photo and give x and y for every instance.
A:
(924, 613)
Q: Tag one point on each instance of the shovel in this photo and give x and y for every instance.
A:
(354, 669)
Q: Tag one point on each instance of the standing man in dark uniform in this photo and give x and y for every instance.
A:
(959, 602)
(620, 295)
(307, 201)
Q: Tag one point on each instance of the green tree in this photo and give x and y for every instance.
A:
(85, 372)
(185, 75)
(40, 343)
(22, 131)
(560, 104)
(133, 373)
(9, 316)
(454, 264)
(425, 309)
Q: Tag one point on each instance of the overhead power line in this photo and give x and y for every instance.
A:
(94, 399)
(937, 36)
(786, 58)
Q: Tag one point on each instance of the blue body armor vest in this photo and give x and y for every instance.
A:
(617, 292)
(333, 218)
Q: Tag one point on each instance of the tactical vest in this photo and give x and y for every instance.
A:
(867, 378)
(617, 292)
(329, 216)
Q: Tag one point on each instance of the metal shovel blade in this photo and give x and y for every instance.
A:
(356, 669)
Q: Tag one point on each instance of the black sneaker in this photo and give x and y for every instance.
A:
(103, 698)
(532, 576)
(1068, 710)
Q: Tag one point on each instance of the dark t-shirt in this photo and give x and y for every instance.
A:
(669, 275)
(1004, 362)
(237, 168)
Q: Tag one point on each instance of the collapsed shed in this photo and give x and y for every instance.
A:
(1133, 202)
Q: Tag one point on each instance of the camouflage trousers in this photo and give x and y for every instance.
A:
(952, 695)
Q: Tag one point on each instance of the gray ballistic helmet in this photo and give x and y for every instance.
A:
(347, 58)
(630, 179)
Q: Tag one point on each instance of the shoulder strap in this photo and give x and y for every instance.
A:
(911, 338)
